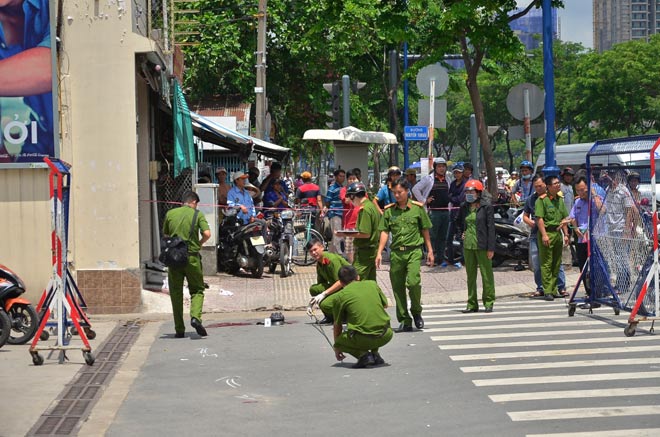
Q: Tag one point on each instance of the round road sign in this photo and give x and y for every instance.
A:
(515, 102)
(426, 74)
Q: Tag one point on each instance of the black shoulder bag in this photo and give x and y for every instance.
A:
(174, 250)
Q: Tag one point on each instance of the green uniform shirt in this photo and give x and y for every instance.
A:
(362, 305)
(177, 223)
(328, 268)
(367, 223)
(405, 224)
(470, 241)
(552, 211)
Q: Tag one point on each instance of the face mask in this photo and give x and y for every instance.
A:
(470, 197)
(527, 177)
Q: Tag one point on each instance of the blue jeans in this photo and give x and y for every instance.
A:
(536, 267)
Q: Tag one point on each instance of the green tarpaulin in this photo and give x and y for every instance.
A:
(184, 148)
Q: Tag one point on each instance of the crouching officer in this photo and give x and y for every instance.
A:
(366, 239)
(327, 278)
(409, 224)
(362, 304)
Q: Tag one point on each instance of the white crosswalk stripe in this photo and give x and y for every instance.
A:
(528, 345)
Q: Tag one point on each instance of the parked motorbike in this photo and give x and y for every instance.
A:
(241, 246)
(22, 316)
(279, 241)
(510, 241)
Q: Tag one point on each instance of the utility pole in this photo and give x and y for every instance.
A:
(260, 89)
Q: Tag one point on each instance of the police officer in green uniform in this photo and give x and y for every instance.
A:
(178, 222)
(362, 304)
(550, 212)
(366, 239)
(409, 224)
(327, 278)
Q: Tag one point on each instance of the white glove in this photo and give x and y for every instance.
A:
(317, 299)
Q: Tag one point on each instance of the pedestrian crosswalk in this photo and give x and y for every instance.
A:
(556, 375)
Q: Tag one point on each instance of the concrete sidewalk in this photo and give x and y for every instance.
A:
(227, 293)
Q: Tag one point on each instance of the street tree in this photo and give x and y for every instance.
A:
(478, 30)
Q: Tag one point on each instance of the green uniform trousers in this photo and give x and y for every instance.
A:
(193, 273)
(550, 260)
(364, 261)
(479, 258)
(327, 303)
(405, 273)
(357, 344)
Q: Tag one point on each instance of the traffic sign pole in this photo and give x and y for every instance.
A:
(431, 120)
(527, 124)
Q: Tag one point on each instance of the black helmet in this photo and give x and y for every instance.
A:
(633, 175)
(277, 319)
(356, 188)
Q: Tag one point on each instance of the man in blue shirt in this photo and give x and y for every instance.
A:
(385, 196)
(239, 196)
(524, 186)
(25, 70)
(334, 209)
(579, 217)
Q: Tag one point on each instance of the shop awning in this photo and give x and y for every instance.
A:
(212, 132)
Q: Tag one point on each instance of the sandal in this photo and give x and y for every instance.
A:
(537, 294)
(563, 294)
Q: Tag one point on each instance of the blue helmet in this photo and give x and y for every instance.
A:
(527, 164)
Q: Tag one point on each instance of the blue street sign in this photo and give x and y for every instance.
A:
(416, 133)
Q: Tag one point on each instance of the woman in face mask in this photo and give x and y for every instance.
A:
(476, 223)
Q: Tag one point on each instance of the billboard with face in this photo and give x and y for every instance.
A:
(27, 118)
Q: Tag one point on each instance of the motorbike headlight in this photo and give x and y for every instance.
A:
(289, 227)
(287, 214)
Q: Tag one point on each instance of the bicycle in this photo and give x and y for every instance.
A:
(303, 227)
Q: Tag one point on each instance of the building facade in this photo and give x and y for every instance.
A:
(617, 21)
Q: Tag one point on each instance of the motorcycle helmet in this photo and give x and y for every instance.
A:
(277, 319)
(393, 170)
(474, 184)
(526, 164)
(439, 160)
(356, 188)
(633, 175)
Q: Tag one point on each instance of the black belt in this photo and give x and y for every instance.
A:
(404, 248)
(551, 228)
(352, 333)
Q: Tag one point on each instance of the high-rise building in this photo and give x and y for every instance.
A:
(529, 27)
(617, 21)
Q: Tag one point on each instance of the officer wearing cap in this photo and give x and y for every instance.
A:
(239, 196)
(366, 239)
(409, 224)
(433, 190)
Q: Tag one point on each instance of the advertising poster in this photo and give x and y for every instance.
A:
(27, 132)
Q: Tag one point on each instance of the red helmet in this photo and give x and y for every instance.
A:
(474, 184)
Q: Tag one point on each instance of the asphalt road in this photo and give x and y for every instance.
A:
(526, 369)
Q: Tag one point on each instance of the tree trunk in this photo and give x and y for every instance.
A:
(482, 129)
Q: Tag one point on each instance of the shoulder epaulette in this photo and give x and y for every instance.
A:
(414, 202)
(543, 196)
(389, 206)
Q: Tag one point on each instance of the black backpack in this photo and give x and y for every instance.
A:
(174, 250)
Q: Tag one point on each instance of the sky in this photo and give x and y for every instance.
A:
(576, 21)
